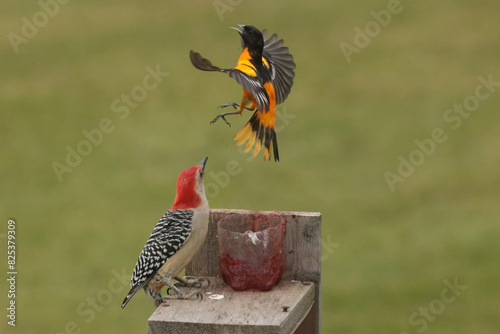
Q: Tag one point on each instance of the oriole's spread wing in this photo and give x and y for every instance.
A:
(281, 63)
(244, 73)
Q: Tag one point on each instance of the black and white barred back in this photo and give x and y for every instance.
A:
(167, 237)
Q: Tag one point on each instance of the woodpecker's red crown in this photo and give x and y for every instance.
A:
(189, 186)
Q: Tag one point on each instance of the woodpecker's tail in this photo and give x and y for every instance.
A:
(259, 130)
(131, 294)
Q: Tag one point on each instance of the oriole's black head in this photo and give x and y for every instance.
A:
(252, 38)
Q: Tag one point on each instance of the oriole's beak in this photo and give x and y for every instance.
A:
(202, 164)
(238, 30)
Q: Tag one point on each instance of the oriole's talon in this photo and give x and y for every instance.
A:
(225, 120)
(223, 116)
(230, 104)
(219, 116)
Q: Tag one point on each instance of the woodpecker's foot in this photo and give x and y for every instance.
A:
(182, 296)
(190, 282)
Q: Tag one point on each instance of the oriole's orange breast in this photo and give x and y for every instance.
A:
(245, 65)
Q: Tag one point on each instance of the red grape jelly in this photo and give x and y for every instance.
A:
(251, 250)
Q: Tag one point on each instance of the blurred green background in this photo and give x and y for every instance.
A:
(388, 247)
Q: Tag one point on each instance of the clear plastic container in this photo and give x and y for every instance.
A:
(251, 250)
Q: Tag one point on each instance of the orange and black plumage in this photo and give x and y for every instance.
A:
(266, 71)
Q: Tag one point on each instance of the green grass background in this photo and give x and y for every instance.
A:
(393, 249)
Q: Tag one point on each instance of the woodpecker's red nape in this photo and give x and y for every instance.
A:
(187, 197)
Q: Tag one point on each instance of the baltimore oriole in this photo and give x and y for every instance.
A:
(265, 69)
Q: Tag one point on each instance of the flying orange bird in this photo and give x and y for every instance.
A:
(266, 70)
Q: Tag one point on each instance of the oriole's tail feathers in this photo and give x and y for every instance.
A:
(257, 133)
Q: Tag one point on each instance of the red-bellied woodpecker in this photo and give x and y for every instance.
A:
(175, 240)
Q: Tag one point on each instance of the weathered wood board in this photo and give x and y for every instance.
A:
(247, 312)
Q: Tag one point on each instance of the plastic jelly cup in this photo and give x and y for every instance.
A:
(251, 250)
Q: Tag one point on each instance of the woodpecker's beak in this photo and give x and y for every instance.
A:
(202, 164)
(239, 30)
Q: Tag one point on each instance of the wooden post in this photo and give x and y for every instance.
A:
(262, 311)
